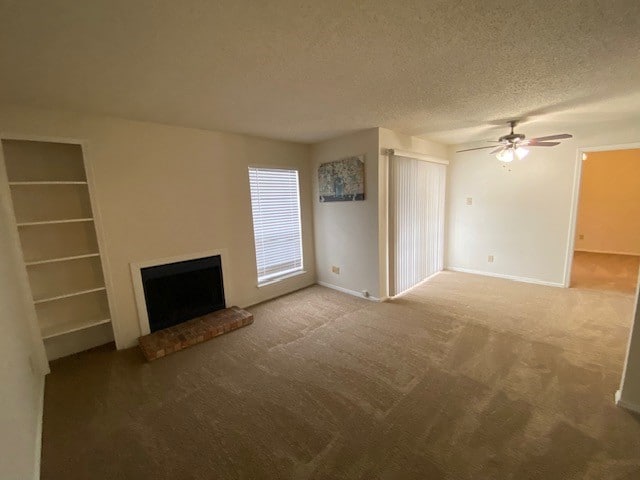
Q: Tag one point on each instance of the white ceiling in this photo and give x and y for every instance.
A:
(310, 70)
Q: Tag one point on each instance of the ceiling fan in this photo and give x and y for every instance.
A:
(513, 144)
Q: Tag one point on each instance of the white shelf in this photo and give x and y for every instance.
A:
(67, 295)
(69, 327)
(52, 222)
(62, 259)
(53, 182)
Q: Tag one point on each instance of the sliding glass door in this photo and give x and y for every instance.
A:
(416, 216)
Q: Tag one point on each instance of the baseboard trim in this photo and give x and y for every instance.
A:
(626, 405)
(40, 419)
(506, 277)
(606, 252)
(347, 291)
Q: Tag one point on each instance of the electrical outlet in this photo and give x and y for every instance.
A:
(469, 201)
(335, 270)
(490, 259)
(365, 293)
(580, 237)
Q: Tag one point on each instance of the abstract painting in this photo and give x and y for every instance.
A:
(342, 180)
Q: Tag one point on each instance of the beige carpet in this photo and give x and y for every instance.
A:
(603, 271)
(466, 377)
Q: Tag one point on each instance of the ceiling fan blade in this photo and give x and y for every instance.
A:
(478, 148)
(543, 144)
(501, 147)
(559, 136)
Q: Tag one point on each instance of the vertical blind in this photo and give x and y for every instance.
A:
(275, 203)
(417, 221)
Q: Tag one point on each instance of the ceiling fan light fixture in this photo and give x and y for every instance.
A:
(521, 152)
(511, 145)
(505, 155)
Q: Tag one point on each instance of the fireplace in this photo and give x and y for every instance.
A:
(179, 291)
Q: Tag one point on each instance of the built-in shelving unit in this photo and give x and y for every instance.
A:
(55, 223)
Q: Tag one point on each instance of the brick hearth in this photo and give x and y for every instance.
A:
(176, 338)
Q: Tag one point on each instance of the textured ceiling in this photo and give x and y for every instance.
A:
(310, 70)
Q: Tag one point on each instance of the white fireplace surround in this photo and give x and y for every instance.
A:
(138, 289)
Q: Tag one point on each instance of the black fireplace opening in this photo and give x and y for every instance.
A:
(181, 291)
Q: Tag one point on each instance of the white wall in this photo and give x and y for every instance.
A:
(630, 386)
(522, 217)
(166, 191)
(346, 233)
(22, 385)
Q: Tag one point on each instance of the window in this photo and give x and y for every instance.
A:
(275, 202)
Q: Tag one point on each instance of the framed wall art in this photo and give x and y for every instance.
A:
(342, 180)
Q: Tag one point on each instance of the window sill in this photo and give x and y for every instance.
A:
(279, 279)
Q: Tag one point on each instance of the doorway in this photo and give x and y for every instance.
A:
(606, 245)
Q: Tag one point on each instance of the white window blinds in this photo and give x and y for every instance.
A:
(275, 202)
(417, 193)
